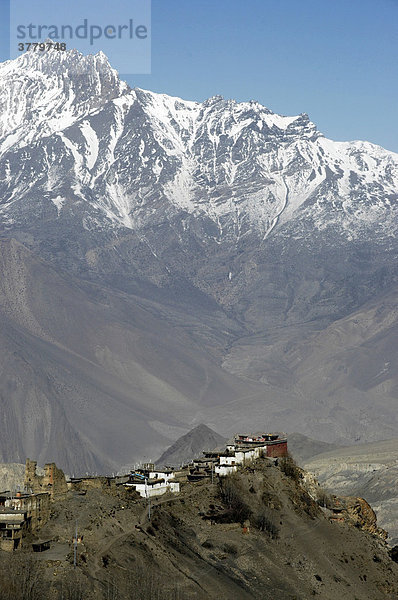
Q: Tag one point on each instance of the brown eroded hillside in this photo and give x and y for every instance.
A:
(257, 534)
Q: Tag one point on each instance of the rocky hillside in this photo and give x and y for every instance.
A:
(258, 534)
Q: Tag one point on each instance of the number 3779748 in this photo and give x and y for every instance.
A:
(41, 46)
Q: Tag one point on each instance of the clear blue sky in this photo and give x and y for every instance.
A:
(337, 60)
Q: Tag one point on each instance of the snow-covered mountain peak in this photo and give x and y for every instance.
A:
(57, 62)
(213, 100)
(46, 91)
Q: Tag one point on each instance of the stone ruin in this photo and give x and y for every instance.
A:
(53, 481)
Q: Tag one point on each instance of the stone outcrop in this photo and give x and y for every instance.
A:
(357, 512)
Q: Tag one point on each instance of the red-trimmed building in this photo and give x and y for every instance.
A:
(275, 443)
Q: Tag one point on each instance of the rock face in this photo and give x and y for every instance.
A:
(358, 513)
(368, 470)
(185, 262)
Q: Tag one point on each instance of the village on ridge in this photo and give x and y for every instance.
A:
(23, 512)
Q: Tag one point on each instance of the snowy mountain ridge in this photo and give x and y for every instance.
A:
(236, 164)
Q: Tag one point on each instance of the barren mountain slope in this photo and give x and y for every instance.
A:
(346, 374)
(92, 378)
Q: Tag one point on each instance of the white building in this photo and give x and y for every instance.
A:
(223, 470)
(155, 487)
(228, 462)
(228, 459)
(166, 475)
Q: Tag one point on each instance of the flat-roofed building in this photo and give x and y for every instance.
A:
(13, 523)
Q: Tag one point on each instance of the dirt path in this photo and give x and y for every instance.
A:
(95, 562)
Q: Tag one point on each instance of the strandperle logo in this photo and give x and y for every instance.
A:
(120, 29)
(85, 31)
